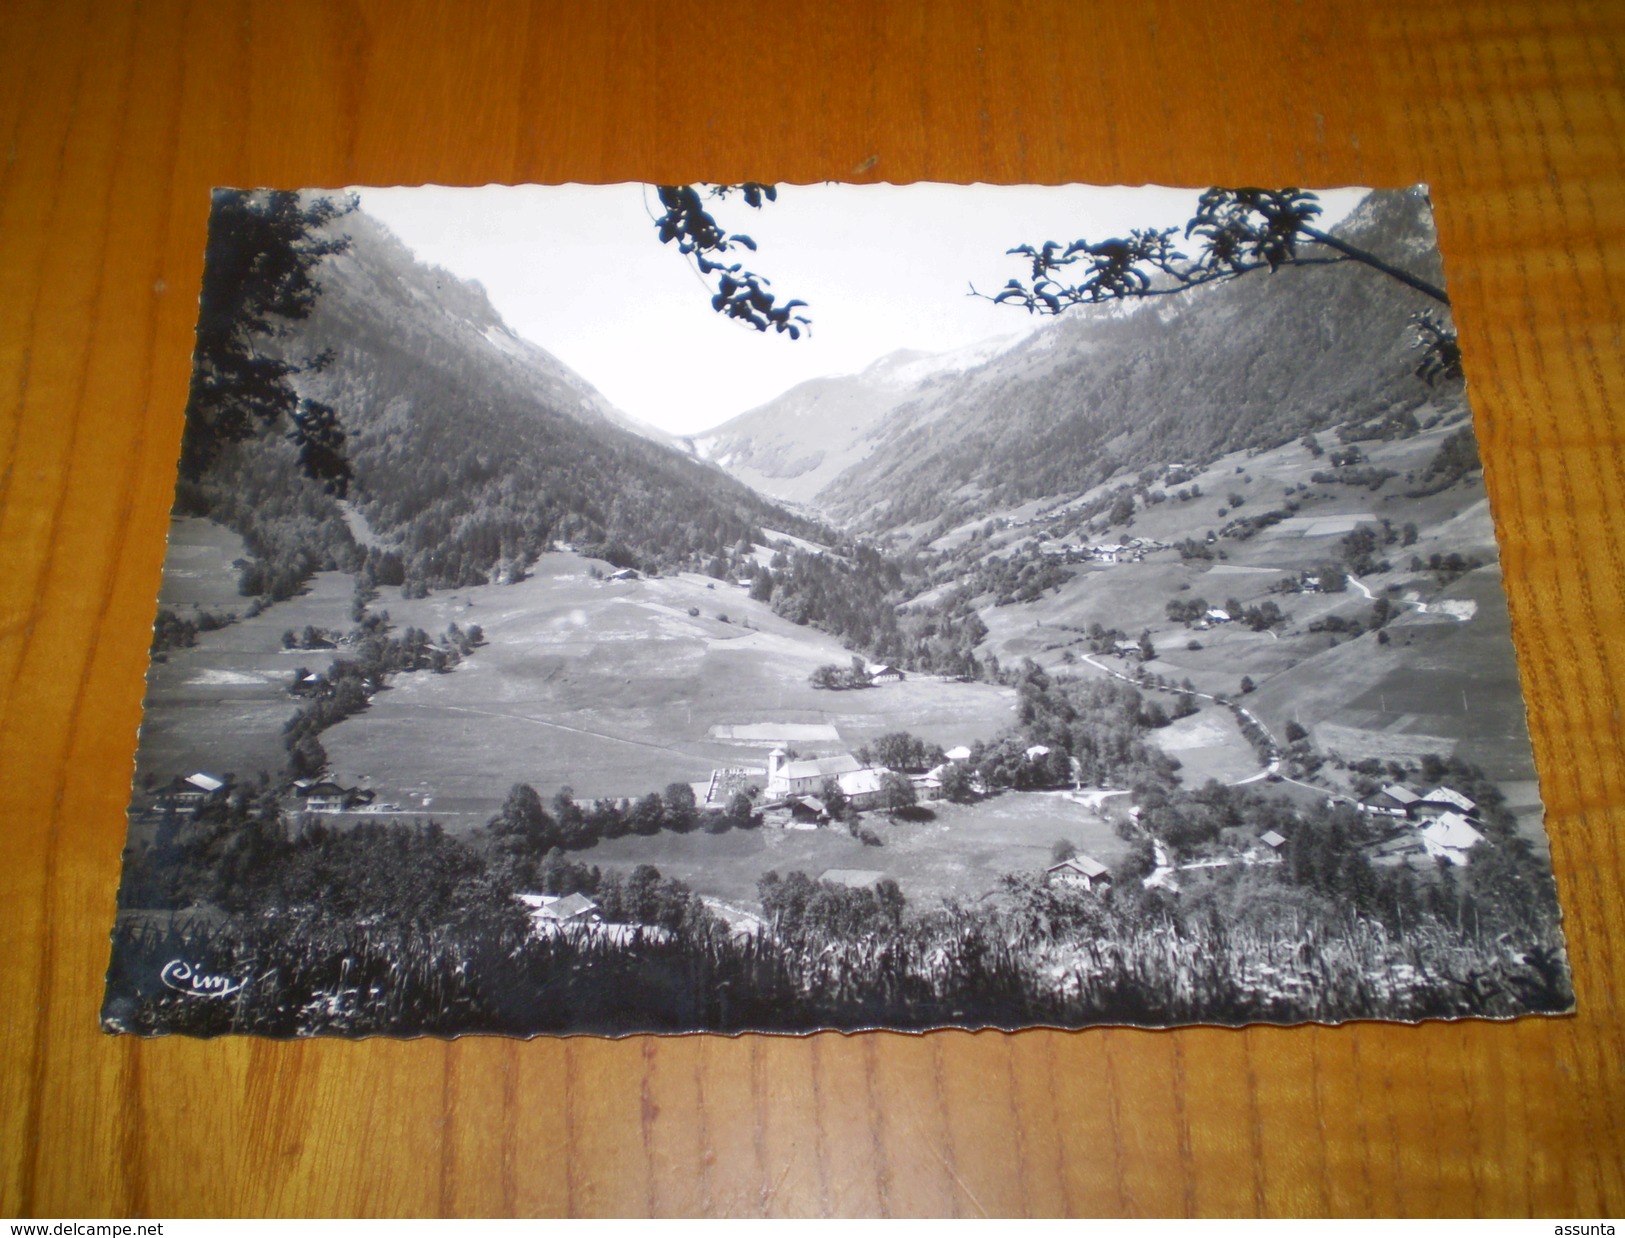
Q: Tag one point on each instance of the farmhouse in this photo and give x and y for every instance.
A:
(1079, 872)
(879, 672)
(786, 777)
(1450, 837)
(861, 786)
(187, 795)
(927, 786)
(550, 912)
(1392, 801)
(1217, 614)
(1442, 801)
(323, 795)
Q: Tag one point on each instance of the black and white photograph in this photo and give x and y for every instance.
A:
(634, 608)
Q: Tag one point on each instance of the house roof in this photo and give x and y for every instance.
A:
(853, 878)
(860, 782)
(204, 782)
(1037, 750)
(1444, 795)
(812, 802)
(960, 753)
(1087, 865)
(1452, 831)
(1271, 839)
(822, 767)
(1400, 795)
(1219, 613)
(569, 907)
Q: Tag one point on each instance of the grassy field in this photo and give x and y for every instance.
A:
(220, 705)
(1438, 685)
(1207, 745)
(198, 571)
(962, 853)
(613, 688)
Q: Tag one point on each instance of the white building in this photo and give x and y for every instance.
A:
(1081, 871)
(786, 777)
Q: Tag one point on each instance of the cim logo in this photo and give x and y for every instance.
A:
(181, 976)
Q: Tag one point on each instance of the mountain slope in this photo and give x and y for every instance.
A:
(1251, 363)
(473, 450)
(795, 445)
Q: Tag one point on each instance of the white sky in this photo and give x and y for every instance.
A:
(580, 271)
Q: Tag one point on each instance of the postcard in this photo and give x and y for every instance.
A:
(674, 608)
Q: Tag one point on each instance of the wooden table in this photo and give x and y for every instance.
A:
(115, 119)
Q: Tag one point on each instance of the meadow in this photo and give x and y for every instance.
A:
(220, 705)
(961, 852)
(610, 687)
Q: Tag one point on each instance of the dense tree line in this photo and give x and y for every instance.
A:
(528, 830)
(1457, 456)
(348, 684)
(175, 631)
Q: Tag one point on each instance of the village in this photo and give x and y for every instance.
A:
(1429, 828)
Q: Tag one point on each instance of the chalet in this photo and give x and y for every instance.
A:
(853, 878)
(786, 777)
(861, 787)
(324, 795)
(550, 913)
(1079, 872)
(1442, 801)
(1392, 801)
(927, 786)
(880, 673)
(1126, 648)
(188, 794)
(1450, 837)
(958, 755)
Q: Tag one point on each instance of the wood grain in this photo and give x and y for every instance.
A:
(115, 119)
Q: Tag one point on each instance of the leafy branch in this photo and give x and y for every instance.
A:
(258, 278)
(1237, 232)
(739, 293)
